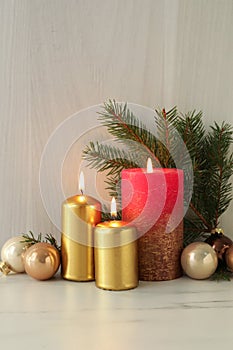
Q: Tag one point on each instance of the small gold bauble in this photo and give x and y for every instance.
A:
(199, 260)
(229, 258)
(41, 261)
(11, 255)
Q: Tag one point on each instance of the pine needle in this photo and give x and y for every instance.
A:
(31, 239)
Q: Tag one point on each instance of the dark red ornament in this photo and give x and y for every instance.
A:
(219, 242)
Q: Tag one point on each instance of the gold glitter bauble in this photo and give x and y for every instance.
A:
(199, 260)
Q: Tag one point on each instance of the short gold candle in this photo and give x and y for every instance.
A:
(116, 260)
(80, 214)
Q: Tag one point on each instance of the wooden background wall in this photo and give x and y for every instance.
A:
(59, 56)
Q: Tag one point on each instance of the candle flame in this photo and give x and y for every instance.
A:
(81, 182)
(149, 167)
(113, 208)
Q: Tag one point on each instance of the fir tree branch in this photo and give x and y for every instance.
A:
(114, 187)
(222, 273)
(192, 131)
(201, 217)
(49, 238)
(165, 121)
(219, 165)
(166, 130)
(124, 125)
(221, 155)
(106, 157)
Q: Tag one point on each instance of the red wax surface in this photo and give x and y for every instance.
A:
(150, 198)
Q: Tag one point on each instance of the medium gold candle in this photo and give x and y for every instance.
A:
(80, 214)
(116, 260)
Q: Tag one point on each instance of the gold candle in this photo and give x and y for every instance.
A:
(116, 261)
(80, 214)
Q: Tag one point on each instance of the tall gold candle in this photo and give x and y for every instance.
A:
(116, 261)
(80, 214)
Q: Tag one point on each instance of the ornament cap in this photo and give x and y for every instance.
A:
(5, 268)
(218, 231)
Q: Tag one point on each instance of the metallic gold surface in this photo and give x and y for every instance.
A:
(116, 268)
(41, 261)
(79, 216)
(217, 230)
(5, 268)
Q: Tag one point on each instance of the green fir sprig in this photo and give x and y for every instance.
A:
(119, 120)
(31, 239)
(222, 273)
(107, 158)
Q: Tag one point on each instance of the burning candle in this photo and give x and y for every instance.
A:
(80, 214)
(116, 263)
(152, 200)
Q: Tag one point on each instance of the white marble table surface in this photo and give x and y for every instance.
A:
(58, 314)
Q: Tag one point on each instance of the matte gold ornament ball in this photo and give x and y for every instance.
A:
(199, 260)
(11, 255)
(41, 261)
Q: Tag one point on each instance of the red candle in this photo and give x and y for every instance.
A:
(152, 200)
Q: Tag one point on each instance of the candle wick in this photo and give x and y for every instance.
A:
(81, 192)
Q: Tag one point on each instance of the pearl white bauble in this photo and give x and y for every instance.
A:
(11, 253)
(199, 260)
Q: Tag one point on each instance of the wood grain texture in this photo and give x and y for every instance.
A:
(60, 56)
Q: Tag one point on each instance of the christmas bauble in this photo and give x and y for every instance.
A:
(229, 258)
(41, 261)
(11, 255)
(199, 260)
(219, 242)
